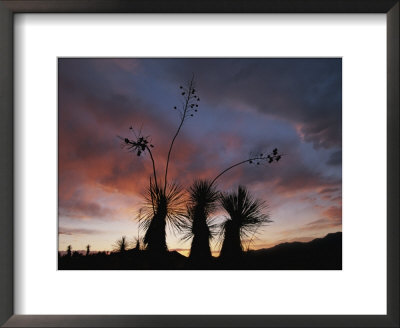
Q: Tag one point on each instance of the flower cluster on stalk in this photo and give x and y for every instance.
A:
(189, 104)
(138, 145)
(261, 158)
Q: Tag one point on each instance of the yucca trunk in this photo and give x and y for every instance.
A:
(200, 248)
(155, 237)
(232, 245)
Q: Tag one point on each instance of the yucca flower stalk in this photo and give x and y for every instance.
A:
(256, 159)
(188, 108)
(163, 202)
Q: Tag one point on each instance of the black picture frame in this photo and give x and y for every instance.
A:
(10, 7)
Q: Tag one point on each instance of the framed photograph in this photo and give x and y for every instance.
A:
(203, 164)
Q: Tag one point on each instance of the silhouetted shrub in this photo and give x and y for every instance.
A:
(246, 216)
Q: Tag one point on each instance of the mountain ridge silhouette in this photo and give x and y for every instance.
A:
(324, 253)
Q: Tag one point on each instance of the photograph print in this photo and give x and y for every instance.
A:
(199, 163)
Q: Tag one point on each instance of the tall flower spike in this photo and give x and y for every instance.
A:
(186, 111)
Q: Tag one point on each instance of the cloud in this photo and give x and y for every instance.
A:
(323, 223)
(314, 228)
(75, 208)
(332, 219)
(331, 194)
(329, 190)
(302, 180)
(333, 212)
(129, 64)
(91, 115)
(306, 92)
(335, 159)
(70, 232)
(337, 199)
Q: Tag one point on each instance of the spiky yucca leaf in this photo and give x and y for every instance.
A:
(161, 209)
(187, 226)
(203, 201)
(246, 216)
(205, 195)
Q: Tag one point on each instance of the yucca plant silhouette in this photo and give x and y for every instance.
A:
(246, 216)
(69, 251)
(163, 202)
(138, 244)
(138, 241)
(121, 245)
(203, 199)
(161, 209)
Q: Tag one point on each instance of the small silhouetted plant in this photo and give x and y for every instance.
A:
(76, 254)
(163, 198)
(121, 245)
(138, 241)
(246, 216)
(203, 200)
(87, 250)
(69, 251)
(138, 244)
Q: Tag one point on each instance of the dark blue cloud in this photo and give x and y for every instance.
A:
(305, 91)
(335, 159)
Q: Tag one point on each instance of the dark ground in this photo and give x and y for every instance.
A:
(318, 254)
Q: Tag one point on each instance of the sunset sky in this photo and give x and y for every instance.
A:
(247, 105)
